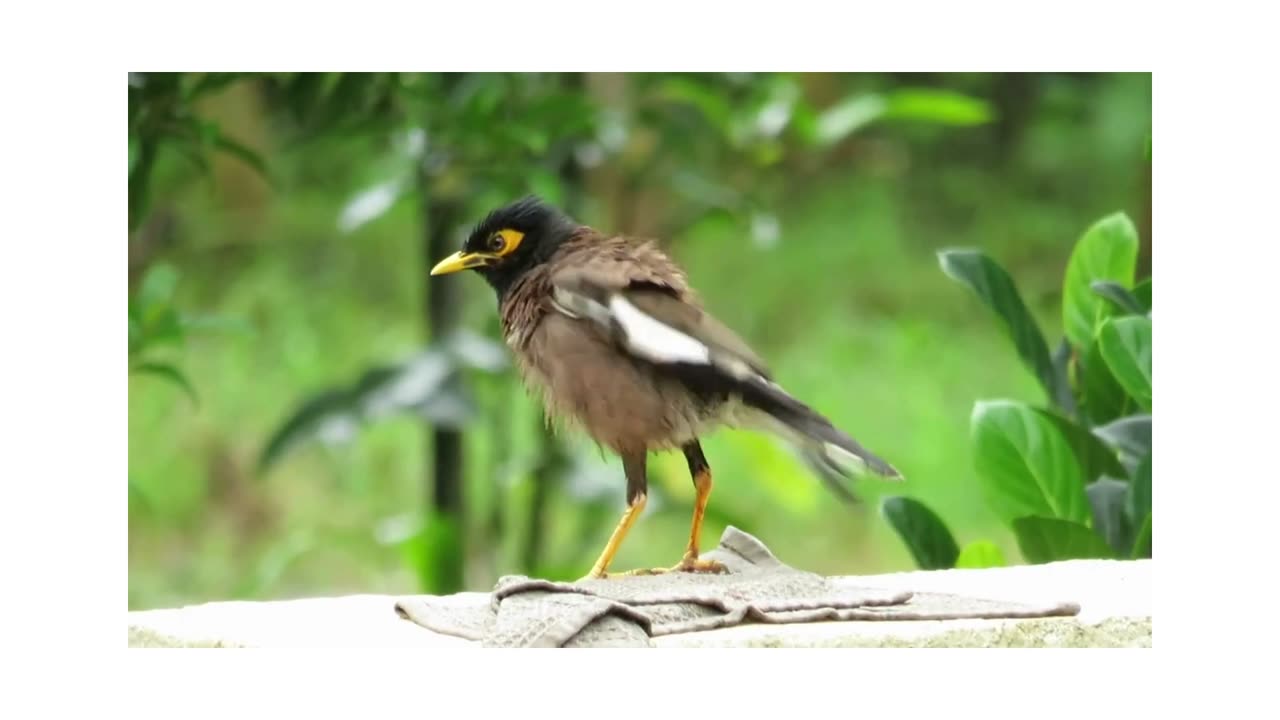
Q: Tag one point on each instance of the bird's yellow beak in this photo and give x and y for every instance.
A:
(462, 261)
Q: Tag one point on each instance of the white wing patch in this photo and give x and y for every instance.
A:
(648, 337)
(653, 339)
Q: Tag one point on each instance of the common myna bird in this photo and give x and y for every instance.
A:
(618, 344)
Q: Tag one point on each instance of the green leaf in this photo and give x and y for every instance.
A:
(373, 202)
(1118, 296)
(804, 122)
(1104, 398)
(923, 531)
(194, 152)
(1026, 465)
(1142, 292)
(997, 291)
(1126, 347)
(168, 372)
(152, 317)
(1062, 359)
(981, 554)
(1043, 540)
(428, 386)
(1130, 435)
(244, 153)
(329, 414)
(1096, 458)
(157, 286)
(945, 107)
(1142, 542)
(847, 116)
(1139, 504)
(1107, 251)
(159, 326)
(713, 105)
(1107, 499)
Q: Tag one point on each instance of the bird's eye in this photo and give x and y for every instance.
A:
(497, 242)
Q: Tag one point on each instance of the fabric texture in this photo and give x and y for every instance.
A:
(631, 611)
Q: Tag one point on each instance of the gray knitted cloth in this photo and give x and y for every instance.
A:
(630, 611)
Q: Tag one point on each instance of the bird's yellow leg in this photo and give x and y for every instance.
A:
(634, 508)
(701, 473)
(691, 562)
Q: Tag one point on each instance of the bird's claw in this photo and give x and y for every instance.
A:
(689, 564)
(700, 565)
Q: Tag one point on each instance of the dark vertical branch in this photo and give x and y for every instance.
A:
(441, 215)
(444, 485)
(608, 180)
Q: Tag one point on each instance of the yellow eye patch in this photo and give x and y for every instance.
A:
(510, 241)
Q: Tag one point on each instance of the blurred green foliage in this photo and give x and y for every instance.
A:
(807, 209)
(1071, 479)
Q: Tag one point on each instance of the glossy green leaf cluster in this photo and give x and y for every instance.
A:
(1071, 476)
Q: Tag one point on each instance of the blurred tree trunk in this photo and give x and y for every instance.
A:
(632, 203)
(444, 486)
(242, 192)
(605, 181)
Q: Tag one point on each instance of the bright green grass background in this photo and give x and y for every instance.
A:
(849, 308)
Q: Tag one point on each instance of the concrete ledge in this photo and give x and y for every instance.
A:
(1114, 597)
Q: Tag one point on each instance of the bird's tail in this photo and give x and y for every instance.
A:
(831, 451)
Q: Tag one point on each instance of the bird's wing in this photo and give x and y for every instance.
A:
(648, 312)
(642, 300)
(695, 322)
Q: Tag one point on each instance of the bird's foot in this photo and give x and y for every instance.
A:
(695, 564)
(690, 564)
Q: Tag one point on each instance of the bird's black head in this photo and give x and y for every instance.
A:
(509, 241)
